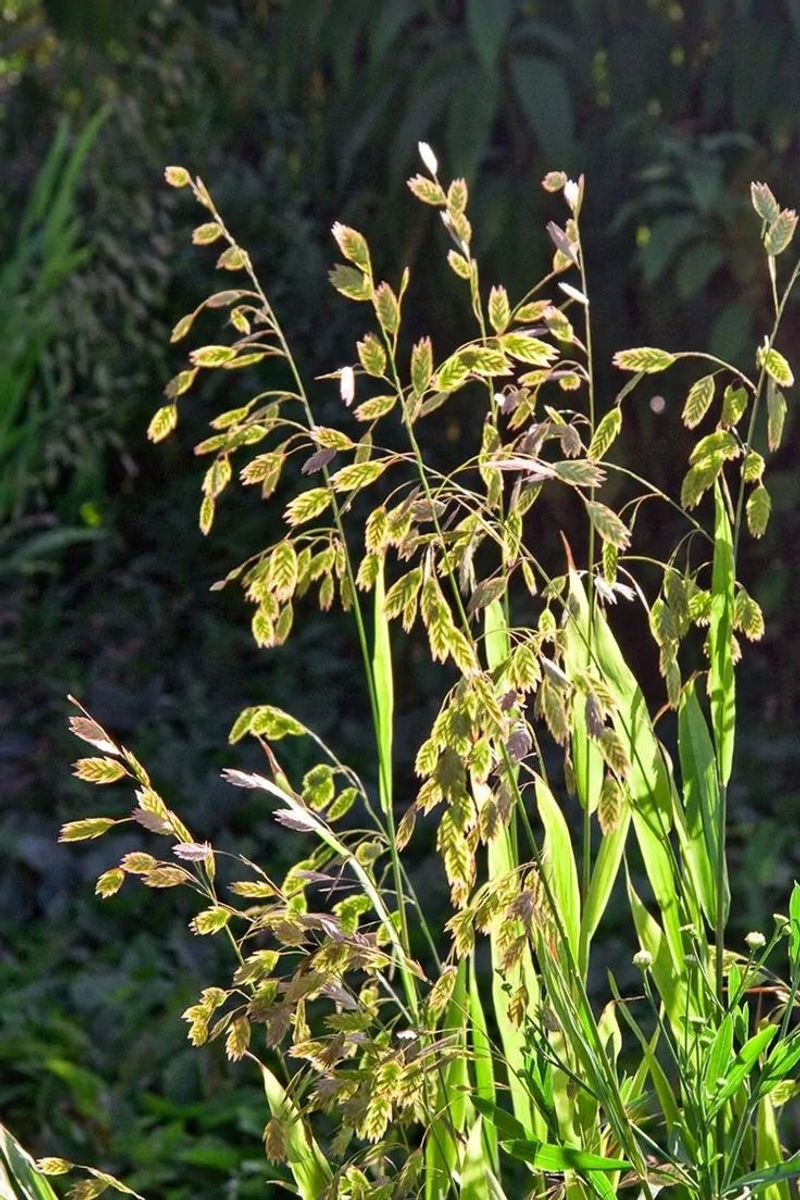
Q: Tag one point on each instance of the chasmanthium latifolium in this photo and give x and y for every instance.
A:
(482, 1069)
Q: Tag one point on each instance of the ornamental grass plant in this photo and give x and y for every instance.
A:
(403, 1055)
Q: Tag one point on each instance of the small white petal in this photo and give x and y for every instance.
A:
(347, 385)
(574, 294)
(571, 193)
(428, 157)
(604, 590)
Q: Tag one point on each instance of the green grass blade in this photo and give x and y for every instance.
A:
(701, 801)
(721, 676)
(660, 868)
(768, 1149)
(559, 864)
(604, 876)
(649, 1064)
(384, 693)
(19, 1179)
(671, 984)
(587, 761)
(742, 1066)
(495, 632)
(310, 1170)
(442, 1145)
(648, 777)
(502, 858)
(483, 1062)
(766, 1177)
(719, 1054)
(557, 1159)
(474, 1179)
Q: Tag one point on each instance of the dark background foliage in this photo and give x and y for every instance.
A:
(297, 113)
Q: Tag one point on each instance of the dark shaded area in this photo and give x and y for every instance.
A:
(296, 114)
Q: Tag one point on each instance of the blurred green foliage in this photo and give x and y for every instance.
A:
(301, 112)
(44, 254)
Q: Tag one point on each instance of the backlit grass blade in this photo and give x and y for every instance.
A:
(701, 801)
(649, 1065)
(721, 676)
(384, 693)
(19, 1179)
(671, 985)
(765, 1177)
(502, 858)
(660, 867)
(587, 761)
(310, 1170)
(442, 1143)
(483, 1062)
(474, 1180)
(648, 777)
(563, 1092)
(604, 876)
(742, 1065)
(559, 864)
(768, 1149)
(558, 1159)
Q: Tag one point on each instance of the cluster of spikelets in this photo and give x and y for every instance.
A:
(367, 1035)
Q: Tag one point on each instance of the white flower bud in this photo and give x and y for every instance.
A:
(572, 193)
(428, 157)
(755, 940)
(643, 959)
(347, 385)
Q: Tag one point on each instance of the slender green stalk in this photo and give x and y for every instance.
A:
(378, 722)
(586, 866)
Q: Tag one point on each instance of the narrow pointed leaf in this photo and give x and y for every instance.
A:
(310, 1170)
(559, 864)
(721, 678)
(557, 1159)
(701, 799)
(474, 1181)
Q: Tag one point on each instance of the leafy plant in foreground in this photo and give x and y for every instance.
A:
(488, 1064)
